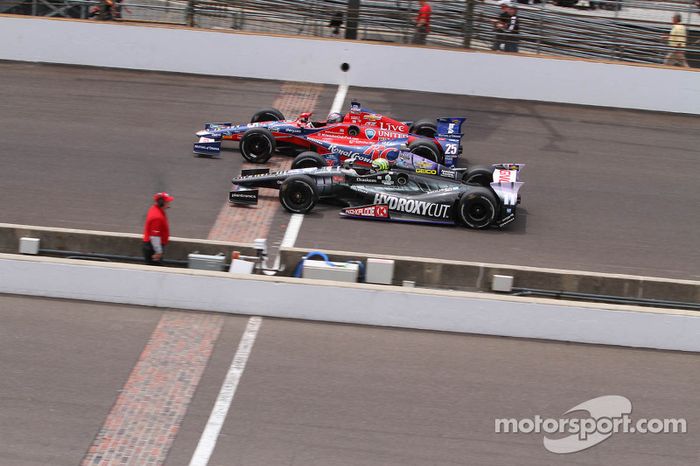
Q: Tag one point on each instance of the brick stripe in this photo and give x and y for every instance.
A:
(244, 224)
(142, 424)
(146, 416)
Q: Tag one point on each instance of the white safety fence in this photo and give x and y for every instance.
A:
(624, 30)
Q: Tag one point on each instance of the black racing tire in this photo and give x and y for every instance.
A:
(424, 127)
(427, 149)
(353, 131)
(308, 159)
(257, 145)
(267, 114)
(481, 175)
(477, 208)
(298, 194)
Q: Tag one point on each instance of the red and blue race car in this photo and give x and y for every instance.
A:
(360, 129)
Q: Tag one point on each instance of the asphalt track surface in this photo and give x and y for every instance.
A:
(317, 394)
(85, 148)
(606, 190)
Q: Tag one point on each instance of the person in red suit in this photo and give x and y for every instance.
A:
(422, 23)
(156, 230)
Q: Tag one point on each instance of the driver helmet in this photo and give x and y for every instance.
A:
(380, 165)
(334, 117)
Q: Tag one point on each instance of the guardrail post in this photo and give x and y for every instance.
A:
(352, 19)
(468, 23)
(540, 33)
(189, 15)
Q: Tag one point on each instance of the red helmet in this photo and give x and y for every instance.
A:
(163, 196)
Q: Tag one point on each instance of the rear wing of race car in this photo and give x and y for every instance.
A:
(449, 135)
(509, 166)
(507, 192)
(450, 127)
(506, 181)
(506, 185)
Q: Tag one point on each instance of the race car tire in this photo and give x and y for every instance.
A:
(257, 145)
(427, 149)
(298, 194)
(353, 131)
(479, 174)
(424, 127)
(477, 208)
(308, 159)
(267, 114)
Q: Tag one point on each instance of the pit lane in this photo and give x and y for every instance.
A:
(606, 190)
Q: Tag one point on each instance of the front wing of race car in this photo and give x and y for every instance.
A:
(245, 190)
(244, 196)
(209, 142)
(207, 146)
(245, 186)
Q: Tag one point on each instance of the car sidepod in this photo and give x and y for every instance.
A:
(385, 199)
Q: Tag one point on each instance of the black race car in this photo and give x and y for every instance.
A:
(395, 194)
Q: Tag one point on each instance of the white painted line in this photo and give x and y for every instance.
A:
(207, 442)
(339, 98)
(292, 231)
(290, 235)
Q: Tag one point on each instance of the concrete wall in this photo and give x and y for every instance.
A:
(352, 303)
(446, 274)
(372, 65)
(431, 273)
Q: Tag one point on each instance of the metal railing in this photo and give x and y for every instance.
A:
(624, 30)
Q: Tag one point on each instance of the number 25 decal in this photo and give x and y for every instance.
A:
(451, 149)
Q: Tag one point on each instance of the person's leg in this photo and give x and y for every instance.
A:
(497, 41)
(424, 36)
(668, 61)
(676, 58)
(416, 36)
(420, 36)
(148, 253)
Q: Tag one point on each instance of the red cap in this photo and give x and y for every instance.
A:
(165, 196)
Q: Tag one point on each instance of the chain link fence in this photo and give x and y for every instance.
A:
(623, 30)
